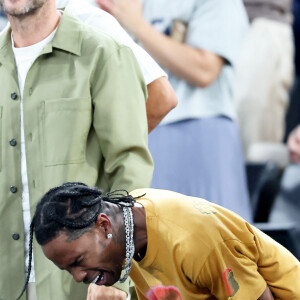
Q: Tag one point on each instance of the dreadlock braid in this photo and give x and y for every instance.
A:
(71, 208)
(29, 263)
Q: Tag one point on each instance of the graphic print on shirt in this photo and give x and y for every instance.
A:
(203, 208)
(231, 284)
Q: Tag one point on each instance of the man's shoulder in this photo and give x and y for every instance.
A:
(90, 39)
(97, 38)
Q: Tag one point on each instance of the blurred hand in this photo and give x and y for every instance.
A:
(294, 145)
(128, 12)
(161, 292)
(96, 292)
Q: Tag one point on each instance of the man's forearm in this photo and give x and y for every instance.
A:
(198, 67)
(161, 99)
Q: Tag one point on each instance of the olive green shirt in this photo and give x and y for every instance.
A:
(84, 120)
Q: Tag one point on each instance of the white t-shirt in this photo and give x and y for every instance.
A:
(101, 20)
(25, 57)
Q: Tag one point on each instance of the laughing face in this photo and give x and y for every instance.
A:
(92, 258)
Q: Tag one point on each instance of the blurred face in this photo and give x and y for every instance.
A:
(20, 8)
(90, 258)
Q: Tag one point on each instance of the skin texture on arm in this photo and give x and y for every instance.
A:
(161, 99)
(198, 67)
(293, 144)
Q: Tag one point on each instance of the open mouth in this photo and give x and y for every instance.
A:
(100, 279)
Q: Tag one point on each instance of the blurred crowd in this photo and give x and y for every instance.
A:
(235, 69)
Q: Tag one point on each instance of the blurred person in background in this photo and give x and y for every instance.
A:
(293, 116)
(264, 75)
(196, 149)
(294, 145)
(293, 113)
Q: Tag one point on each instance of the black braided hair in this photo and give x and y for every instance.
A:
(71, 208)
(29, 262)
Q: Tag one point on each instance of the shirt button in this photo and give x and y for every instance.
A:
(13, 142)
(30, 91)
(14, 96)
(15, 236)
(13, 189)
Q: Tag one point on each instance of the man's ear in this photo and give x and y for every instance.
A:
(103, 224)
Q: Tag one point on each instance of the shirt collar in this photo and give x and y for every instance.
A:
(67, 38)
(6, 49)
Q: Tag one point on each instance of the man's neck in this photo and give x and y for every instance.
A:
(32, 29)
(140, 231)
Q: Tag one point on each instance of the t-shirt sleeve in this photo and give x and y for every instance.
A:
(218, 26)
(278, 266)
(230, 270)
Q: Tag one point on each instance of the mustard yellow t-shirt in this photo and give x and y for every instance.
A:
(209, 252)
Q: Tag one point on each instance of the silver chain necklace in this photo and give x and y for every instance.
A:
(129, 227)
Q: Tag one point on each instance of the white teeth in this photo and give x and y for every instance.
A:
(96, 279)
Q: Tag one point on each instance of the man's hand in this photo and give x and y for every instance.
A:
(96, 292)
(128, 12)
(294, 145)
(161, 292)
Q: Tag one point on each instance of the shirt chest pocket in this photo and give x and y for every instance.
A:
(65, 128)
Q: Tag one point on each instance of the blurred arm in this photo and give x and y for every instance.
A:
(161, 99)
(198, 67)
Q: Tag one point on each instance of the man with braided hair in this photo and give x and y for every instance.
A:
(161, 237)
